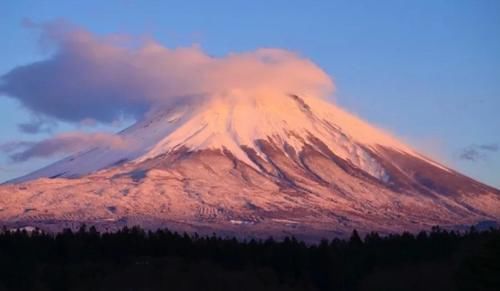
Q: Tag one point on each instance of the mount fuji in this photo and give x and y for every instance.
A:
(267, 164)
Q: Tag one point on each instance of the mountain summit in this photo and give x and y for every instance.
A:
(267, 164)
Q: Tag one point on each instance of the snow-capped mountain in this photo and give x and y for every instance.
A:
(251, 165)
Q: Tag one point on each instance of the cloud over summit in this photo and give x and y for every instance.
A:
(91, 77)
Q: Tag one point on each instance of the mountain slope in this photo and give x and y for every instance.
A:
(258, 165)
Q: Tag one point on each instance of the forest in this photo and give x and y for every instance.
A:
(135, 259)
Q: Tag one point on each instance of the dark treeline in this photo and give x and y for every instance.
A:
(132, 259)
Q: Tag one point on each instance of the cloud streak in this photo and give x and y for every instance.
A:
(65, 143)
(478, 152)
(99, 78)
(37, 125)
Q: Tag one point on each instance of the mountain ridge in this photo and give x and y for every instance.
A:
(255, 165)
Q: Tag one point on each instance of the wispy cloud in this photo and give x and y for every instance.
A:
(478, 152)
(66, 143)
(37, 125)
(490, 147)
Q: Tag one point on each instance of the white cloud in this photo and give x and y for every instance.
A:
(105, 78)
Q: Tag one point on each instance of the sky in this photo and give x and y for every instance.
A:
(427, 71)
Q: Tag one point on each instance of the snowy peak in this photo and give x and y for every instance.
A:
(230, 122)
(235, 123)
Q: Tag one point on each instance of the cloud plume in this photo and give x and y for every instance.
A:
(99, 78)
(65, 143)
